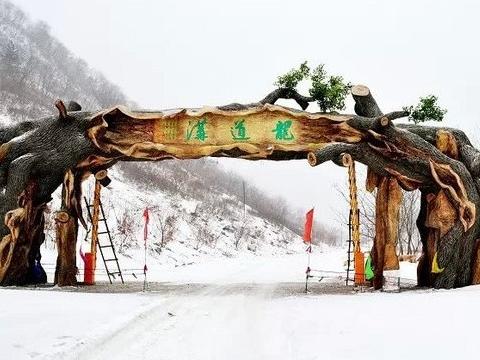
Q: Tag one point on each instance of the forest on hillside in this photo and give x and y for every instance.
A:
(36, 69)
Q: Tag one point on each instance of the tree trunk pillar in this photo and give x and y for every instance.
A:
(67, 230)
(476, 265)
(19, 249)
(387, 210)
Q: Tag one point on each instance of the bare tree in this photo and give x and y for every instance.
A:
(205, 237)
(408, 235)
(241, 234)
(125, 231)
(366, 206)
(166, 228)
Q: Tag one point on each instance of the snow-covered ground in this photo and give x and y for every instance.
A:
(240, 308)
(197, 231)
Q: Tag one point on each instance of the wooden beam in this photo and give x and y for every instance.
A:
(95, 218)
(261, 132)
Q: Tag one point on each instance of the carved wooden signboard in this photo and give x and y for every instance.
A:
(191, 133)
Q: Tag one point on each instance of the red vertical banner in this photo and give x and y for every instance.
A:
(145, 235)
(145, 229)
(307, 235)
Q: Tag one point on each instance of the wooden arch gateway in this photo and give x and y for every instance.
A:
(38, 156)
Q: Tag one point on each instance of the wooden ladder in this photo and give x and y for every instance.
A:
(105, 244)
(351, 251)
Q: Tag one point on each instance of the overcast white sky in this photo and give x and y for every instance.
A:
(172, 53)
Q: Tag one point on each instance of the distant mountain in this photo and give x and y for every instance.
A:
(36, 69)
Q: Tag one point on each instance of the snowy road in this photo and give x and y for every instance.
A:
(264, 322)
(241, 321)
(230, 317)
(210, 324)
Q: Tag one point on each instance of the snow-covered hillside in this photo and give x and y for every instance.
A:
(193, 230)
(36, 69)
(5, 120)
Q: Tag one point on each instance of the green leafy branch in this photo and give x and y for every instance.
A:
(329, 91)
(291, 79)
(427, 109)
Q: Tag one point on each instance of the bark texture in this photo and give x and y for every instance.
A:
(20, 248)
(387, 207)
(66, 221)
(443, 165)
(36, 157)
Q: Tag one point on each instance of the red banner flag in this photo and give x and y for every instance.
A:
(145, 229)
(145, 235)
(307, 235)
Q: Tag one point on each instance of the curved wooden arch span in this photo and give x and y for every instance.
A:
(38, 156)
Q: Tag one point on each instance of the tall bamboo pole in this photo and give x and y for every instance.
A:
(95, 217)
(355, 221)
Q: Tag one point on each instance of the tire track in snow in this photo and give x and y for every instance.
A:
(212, 323)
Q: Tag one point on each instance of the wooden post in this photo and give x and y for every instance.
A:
(99, 176)
(95, 216)
(355, 221)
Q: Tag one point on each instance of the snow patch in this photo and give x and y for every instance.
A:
(5, 120)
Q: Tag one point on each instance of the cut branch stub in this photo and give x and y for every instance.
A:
(102, 177)
(333, 152)
(347, 159)
(385, 120)
(62, 216)
(312, 159)
(74, 106)
(62, 110)
(365, 104)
